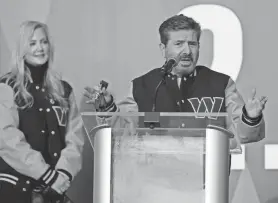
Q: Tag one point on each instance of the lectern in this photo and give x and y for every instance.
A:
(160, 158)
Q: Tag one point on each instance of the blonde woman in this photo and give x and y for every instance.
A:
(41, 140)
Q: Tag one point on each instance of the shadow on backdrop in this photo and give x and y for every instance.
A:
(274, 200)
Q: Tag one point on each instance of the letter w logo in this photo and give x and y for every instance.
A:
(61, 114)
(206, 105)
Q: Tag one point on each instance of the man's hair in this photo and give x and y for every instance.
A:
(175, 23)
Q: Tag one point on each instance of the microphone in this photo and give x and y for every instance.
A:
(152, 118)
(168, 66)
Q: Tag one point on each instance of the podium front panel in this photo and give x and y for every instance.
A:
(165, 164)
(149, 168)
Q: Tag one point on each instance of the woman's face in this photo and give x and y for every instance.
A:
(38, 48)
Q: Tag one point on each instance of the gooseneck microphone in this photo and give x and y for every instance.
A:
(166, 69)
(152, 118)
(168, 66)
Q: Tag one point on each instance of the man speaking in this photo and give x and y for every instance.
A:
(181, 86)
(178, 86)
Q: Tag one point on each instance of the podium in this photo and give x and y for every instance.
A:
(160, 157)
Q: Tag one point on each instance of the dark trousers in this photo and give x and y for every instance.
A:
(9, 193)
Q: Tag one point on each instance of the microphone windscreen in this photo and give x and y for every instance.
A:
(168, 66)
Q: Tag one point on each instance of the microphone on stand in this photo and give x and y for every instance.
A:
(166, 69)
(152, 118)
(168, 66)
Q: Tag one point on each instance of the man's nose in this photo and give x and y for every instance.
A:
(186, 49)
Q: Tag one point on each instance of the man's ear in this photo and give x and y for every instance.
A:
(162, 49)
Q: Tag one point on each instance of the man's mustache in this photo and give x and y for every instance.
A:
(181, 57)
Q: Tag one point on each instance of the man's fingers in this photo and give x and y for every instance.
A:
(263, 99)
(92, 90)
(88, 95)
(92, 101)
(89, 89)
(263, 103)
(252, 94)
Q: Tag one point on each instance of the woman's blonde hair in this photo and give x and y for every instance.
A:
(21, 76)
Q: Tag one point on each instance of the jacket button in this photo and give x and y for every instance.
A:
(182, 125)
(27, 182)
(42, 131)
(51, 101)
(55, 154)
(40, 109)
(24, 189)
(48, 109)
(37, 87)
(182, 101)
(43, 90)
(53, 132)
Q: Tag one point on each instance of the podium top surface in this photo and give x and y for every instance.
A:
(165, 124)
(160, 122)
(162, 114)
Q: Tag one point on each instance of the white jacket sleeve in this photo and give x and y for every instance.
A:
(14, 149)
(234, 104)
